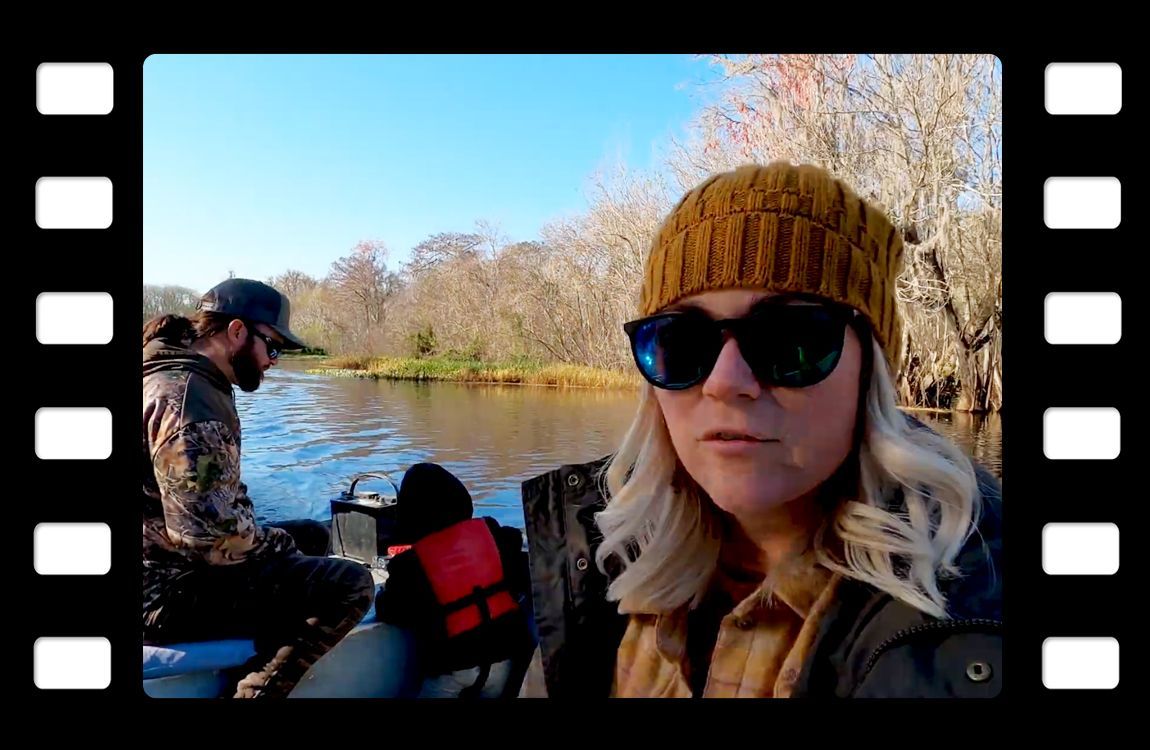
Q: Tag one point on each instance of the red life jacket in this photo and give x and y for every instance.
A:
(462, 563)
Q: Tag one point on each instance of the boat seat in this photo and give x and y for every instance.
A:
(195, 669)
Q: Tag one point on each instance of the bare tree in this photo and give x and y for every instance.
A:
(293, 283)
(586, 284)
(164, 300)
(360, 279)
(443, 247)
(921, 135)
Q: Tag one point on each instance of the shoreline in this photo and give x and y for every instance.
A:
(475, 372)
(366, 375)
(472, 372)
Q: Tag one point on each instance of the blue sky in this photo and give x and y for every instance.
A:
(258, 164)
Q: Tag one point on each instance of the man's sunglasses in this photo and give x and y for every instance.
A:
(785, 345)
(274, 350)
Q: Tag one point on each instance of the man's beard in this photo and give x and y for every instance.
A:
(246, 369)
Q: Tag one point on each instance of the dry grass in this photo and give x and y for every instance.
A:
(524, 372)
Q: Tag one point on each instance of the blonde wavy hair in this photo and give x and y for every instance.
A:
(666, 534)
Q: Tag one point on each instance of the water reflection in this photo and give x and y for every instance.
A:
(305, 436)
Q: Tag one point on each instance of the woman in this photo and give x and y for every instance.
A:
(772, 525)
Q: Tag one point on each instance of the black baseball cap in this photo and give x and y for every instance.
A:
(253, 301)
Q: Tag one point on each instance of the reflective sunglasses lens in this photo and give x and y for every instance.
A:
(794, 346)
(673, 352)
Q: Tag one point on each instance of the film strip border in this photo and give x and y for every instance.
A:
(1065, 267)
(1066, 140)
(80, 212)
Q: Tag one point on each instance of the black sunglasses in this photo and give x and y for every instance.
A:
(273, 347)
(785, 345)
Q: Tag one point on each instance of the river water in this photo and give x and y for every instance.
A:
(305, 436)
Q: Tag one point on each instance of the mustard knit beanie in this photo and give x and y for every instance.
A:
(781, 228)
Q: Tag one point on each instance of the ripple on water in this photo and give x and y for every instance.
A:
(306, 436)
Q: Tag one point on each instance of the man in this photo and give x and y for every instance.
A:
(210, 571)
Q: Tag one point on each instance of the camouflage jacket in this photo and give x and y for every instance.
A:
(196, 509)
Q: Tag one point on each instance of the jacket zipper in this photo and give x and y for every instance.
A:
(977, 622)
